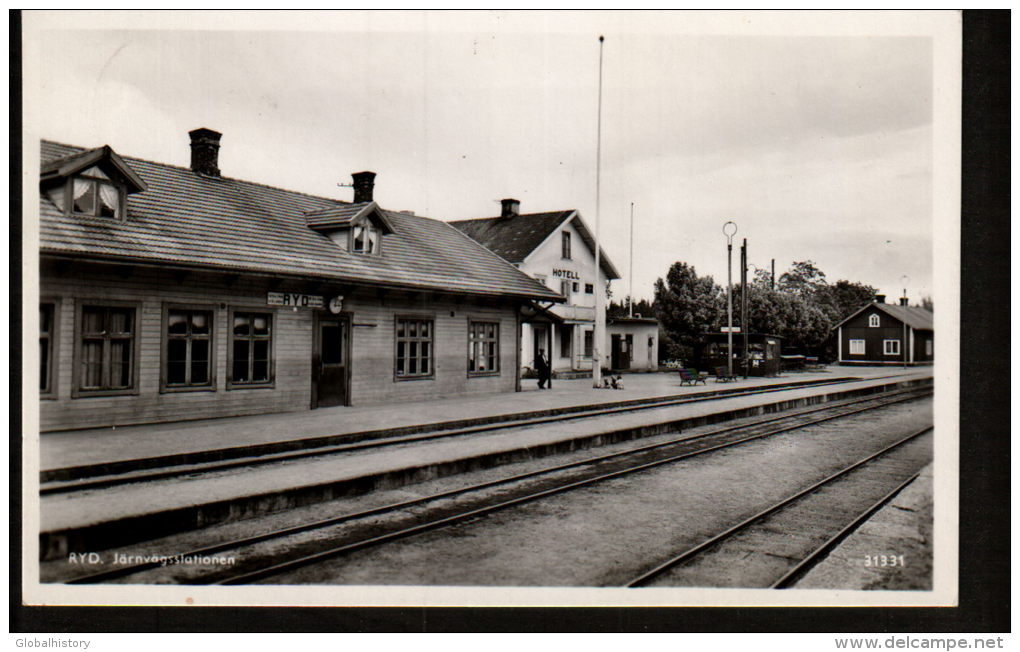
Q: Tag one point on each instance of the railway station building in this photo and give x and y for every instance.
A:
(170, 293)
(558, 250)
(882, 334)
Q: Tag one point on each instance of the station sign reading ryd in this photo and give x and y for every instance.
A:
(294, 299)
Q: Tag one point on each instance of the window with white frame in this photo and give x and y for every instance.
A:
(414, 348)
(189, 349)
(95, 194)
(856, 347)
(566, 245)
(483, 348)
(891, 347)
(873, 321)
(251, 349)
(106, 349)
(46, 330)
(365, 239)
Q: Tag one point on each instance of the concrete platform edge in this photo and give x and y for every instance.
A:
(132, 529)
(71, 473)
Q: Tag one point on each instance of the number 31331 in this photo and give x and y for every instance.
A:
(884, 561)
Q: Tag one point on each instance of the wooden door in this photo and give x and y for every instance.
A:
(331, 362)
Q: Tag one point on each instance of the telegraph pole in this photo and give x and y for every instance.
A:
(630, 299)
(905, 279)
(743, 302)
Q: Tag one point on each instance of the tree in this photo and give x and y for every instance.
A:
(803, 278)
(844, 297)
(837, 301)
(801, 323)
(687, 305)
(642, 307)
(927, 303)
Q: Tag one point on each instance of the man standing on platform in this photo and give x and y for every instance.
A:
(544, 371)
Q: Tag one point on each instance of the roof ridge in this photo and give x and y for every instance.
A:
(184, 168)
(499, 217)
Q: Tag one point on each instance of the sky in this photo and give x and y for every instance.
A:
(817, 140)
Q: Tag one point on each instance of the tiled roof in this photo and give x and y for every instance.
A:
(103, 156)
(913, 316)
(515, 238)
(187, 219)
(342, 216)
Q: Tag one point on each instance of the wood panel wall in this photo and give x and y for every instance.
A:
(372, 347)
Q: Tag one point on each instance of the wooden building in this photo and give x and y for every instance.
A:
(170, 293)
(879, 333)
(557, 249)
(633, 343)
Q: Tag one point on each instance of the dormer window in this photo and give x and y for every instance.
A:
(94, 194)
(93, 183)
(365, 239)
(356, 228)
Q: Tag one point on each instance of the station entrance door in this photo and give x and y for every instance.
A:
(331, 362)
(622, 350)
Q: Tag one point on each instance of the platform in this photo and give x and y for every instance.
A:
(100, 445)
(101, 518)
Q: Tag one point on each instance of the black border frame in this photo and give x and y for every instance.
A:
(984, 597)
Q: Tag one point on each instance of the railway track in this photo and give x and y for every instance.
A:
(516, 490)
(753, 541)
(50, 486)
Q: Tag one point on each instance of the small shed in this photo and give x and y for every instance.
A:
(633, 343)
(763, 353)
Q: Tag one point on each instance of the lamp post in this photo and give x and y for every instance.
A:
(729, 230)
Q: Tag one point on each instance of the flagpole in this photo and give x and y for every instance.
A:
(600, 317)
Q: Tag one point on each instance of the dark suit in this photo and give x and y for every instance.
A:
(544, 372)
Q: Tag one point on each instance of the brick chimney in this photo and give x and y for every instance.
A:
(511, 207)
(879, 298)
(904, 301)
(205, 151)
(364, 184)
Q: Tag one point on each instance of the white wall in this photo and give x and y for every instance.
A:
(645, 356)
(580, 306)
(548, 257)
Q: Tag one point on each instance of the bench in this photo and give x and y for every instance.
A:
(723, 376)
(692, 377)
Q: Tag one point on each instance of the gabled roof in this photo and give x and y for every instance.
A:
(338, 217)
(516, 237)
(104, 156)
(190, 220)
(914, 316)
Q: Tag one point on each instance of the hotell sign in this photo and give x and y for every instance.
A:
(566, 273)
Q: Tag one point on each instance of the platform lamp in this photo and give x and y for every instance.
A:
(905, 279)
(729, 230)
